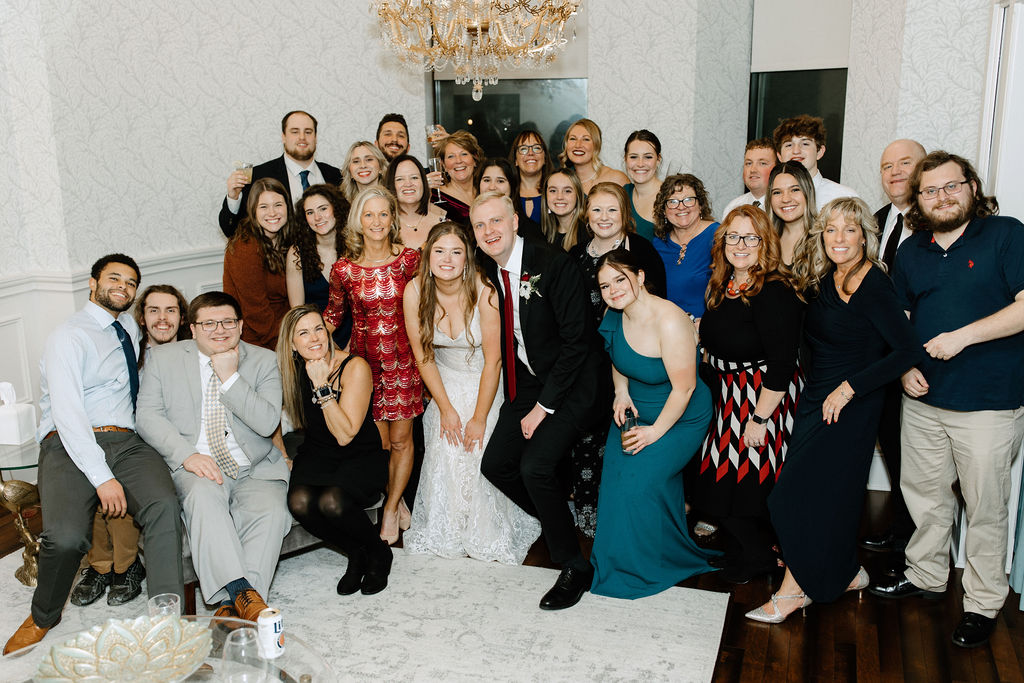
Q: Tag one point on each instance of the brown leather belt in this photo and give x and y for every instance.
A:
(104, 428)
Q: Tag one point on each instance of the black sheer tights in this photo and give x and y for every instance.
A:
(329, 513)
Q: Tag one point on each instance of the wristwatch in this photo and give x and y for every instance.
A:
(758, 420)
(323, 394)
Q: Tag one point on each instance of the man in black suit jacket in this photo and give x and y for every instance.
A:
(550, 367)
(898, 162)
(295, 169)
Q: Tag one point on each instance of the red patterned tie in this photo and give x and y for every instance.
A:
(508, 341)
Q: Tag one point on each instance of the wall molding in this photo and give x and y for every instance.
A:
(78, 280)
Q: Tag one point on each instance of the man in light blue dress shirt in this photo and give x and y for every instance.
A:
(89, 453)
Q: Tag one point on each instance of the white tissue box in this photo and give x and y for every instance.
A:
(17, 423)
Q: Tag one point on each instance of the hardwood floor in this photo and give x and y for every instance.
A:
(857, 638)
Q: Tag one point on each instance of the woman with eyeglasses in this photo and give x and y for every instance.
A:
(750, 334)
(683, 232)
(254, 262)
(643, 157)
(529, 155)
(609, 227)
(858, 340)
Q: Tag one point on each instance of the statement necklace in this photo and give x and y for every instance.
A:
(736, 291)
(593, 252)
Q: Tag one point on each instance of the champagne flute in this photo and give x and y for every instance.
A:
(436, 165)
(241, 661)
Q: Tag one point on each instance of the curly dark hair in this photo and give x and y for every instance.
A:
(672, 184)
(307, 258)
(983, 207)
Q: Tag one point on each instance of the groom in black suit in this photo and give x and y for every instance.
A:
(550, 369)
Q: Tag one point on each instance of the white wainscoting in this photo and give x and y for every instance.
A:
(33, 304)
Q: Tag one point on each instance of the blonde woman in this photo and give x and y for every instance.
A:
(370, 280)
(364, 167)
(582, 152)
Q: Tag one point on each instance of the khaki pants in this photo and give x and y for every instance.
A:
(115, 543)
(976, 447)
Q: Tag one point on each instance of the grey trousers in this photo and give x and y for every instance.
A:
(235, 529)
(69, 504)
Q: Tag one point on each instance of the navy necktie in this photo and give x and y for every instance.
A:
(304, 177)
(129, 356)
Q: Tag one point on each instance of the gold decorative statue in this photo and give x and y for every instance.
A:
(16, 496)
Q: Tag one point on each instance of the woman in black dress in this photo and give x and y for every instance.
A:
(609, 226)
(751, 334)
(858, 339)
(341, 468)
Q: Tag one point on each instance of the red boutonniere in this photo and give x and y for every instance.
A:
(970, 263)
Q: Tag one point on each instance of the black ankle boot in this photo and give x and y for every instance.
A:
(352, 579)
(378, 567)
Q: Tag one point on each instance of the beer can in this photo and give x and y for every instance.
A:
(270, 628)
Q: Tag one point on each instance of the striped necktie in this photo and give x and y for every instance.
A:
(217, 426)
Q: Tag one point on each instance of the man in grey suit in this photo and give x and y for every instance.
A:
(209, 406)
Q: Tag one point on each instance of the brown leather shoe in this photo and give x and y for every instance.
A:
(226, 612)
(249, 604)
(27, 634)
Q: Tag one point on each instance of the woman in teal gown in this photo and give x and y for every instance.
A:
(642, 545)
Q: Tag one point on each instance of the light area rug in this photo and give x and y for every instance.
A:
(453, 620)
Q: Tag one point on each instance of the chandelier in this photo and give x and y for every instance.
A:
(475, 37)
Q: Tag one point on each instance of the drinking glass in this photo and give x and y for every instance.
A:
(435, 166)
(241, 661)
(164, 605)
(627, 424)
(247, 168)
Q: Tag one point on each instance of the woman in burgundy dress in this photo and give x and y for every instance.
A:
(370, 280)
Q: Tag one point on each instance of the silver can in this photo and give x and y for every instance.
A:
(270, 627)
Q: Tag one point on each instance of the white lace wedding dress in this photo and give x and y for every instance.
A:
(457, 511)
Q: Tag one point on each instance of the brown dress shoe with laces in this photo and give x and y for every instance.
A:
(249, 604)
(27, 634)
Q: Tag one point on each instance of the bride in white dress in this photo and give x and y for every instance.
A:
(454, 327)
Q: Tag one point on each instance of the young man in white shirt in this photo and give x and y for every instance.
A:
(802, 138)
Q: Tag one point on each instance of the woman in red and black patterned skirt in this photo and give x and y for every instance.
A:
(751, 335)
(370, 280)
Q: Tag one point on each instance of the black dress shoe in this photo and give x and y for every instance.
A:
(572, 583)
(127, 586)
(378, 567)
(91, 588)
(973, 630)
(352, 580)
(885, 542)
(903, 588)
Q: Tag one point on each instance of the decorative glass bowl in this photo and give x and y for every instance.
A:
(140, 649)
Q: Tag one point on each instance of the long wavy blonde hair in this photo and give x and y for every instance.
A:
(818, 264)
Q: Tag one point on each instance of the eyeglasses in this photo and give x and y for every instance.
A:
(685, 201)
(211, 325)
(749, 240)
(526, 149)
(950, 189)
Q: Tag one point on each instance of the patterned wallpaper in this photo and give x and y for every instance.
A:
(151, 102)
(917, 70)
(682, 70)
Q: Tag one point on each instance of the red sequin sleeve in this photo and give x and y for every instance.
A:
(337, 302)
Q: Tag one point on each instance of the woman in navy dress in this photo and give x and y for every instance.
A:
(858, 340)
(320, 215)
(643, 545)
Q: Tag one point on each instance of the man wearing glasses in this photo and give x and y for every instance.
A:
(961, 279)
(209, 406)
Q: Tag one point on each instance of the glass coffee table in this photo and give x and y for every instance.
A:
(21, 457)
(299, 663)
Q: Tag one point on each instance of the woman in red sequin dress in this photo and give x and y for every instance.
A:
(370, 280)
